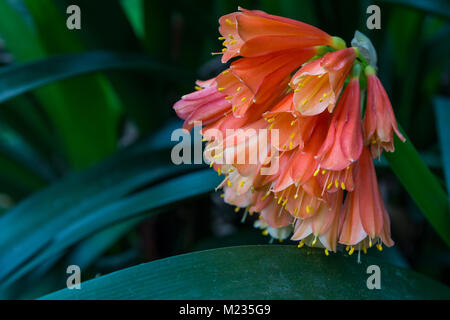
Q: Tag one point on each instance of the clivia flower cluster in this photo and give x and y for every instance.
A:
(289, 76)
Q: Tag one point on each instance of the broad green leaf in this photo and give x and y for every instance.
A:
(422, 185)
(153, 199)
(32, 224)
(18, 79)
(442, 110)
(257, 272)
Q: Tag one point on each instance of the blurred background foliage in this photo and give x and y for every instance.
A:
(86, 120)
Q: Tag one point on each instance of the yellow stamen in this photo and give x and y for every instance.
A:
(329, 185)
(308, 209)
(198, 88)
(222, 195)
(347, 248)
(219, 171)
(229, 98)
(229, 22)
(297, 90)
(292, 122)
(326, 252)
(279, 200)
(265, 232)
(229, 182)
(220, 89)
(314, 241)
(324, 171)
(224, 49)
(236, 209)
(284, 202)
(234, 108)
(351, 251)
(343, 185)
(316, 172)
(221, 38)
(271, 120)
(290, 145)
(238, 89)
(242, 183)
(324, 95)
(300, 244)
(336, 183)
(243, 99)
(233, 42)
(379, 247)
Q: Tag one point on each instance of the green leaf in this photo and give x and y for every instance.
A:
(257, 272)
(154, 199)
(442, 110)
(18, 79)
(422, 185)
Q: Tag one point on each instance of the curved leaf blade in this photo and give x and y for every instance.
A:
(257, 272)
(21, 78)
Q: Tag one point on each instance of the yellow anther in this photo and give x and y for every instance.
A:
(239, 89)
(296, 196)
(225, 43)
(230, 36)
(295, 211)
(233, 42)
(329, 185)
(326, 252)
(365, 250)
(271, 120)
(229, 182)
(229, 22)
(324, 171)
(221, 38)
(236, 209)
(198, 88)
(336, 183)
(252, 189)
(220, 89)
(229, 98)
(300, 244)
(219, 171)
(379, 247)
(343, 185)
(226, 72)
(370, 242)
(320, 76)
(292, 122)
(290, 145)
(265, 232)
(347, 248)
(222, 195)
(308, 209)
(224, 49)
(279, 200)
(265, 196)
(211, 164)
(348, 168)
(243, 99)
(324, 95)
(297, 90)
(320, 100)
(316, 172)
(304, 102)
(234, 108)
(271, 127)
(314, 241)
(284, 202)
(230, 170)
(351, 251)
(242, 183)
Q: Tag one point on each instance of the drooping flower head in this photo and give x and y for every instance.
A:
(283, 125)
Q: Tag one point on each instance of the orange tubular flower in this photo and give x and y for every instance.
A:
(321, 156)
(379, 122)
(365, 218)
(318, 84)
(344, 142)
(247, 33)
(206, 105)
